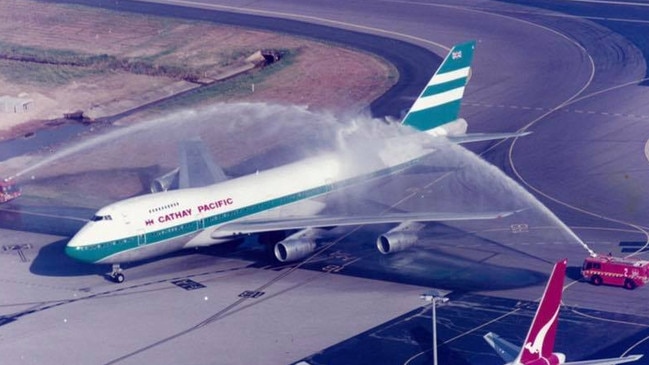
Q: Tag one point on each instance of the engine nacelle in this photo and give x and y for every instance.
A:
(395, 241)
(165, 182)
(294, 249)
(399, 238)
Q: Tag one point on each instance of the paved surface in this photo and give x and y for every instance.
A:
(574, 81)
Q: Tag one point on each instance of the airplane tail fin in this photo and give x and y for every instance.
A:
(539, 342)
(439, 102)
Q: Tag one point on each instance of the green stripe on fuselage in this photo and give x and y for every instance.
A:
(97, 252)
(101, 251)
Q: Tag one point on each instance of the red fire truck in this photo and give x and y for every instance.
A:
(8, 190)
(606, 269)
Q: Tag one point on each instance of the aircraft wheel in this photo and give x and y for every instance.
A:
(118, 278)
(629, 284)
(596, 280)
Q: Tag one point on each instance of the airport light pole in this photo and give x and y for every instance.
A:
(434, 296)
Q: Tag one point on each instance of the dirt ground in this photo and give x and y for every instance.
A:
(319, 75)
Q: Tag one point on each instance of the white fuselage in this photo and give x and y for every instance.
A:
(150, 225)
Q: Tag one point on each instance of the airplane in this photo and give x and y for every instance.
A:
(281, 198)
(539, 342)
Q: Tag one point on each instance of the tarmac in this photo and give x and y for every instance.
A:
(585, 161)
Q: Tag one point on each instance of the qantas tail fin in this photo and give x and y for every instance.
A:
(439, 102)
(539, 342)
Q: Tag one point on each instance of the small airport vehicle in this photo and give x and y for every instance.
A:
(8, 190)
(606, 269)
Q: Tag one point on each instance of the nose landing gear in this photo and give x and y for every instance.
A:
(116, 275)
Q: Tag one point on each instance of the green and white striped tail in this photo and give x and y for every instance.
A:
(439, 103)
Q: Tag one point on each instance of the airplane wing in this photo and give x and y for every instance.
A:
(505, 349)
(287, 223)
(611, 361)
(197, 168)
(477, 137)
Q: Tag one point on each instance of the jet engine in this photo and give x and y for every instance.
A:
(293, 250)
(165, 182)
(296, 246)
(399, 238)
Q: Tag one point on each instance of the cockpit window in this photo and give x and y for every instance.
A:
(101, 218)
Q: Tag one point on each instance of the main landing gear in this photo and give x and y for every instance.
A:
(116, 275)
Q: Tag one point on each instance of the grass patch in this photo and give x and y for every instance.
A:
(42, 74)
(237, 86)
(41, 57)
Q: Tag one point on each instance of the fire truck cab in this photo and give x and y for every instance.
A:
(8, 190)
(606, 269)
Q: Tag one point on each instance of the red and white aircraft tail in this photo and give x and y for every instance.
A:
(539, 343)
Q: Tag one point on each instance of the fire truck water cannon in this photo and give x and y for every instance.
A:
(8, 190)
(629, 273)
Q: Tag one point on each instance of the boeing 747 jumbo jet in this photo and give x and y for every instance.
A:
(151, 225)
(539, 342)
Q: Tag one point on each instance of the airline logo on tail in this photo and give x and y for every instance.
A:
(536, 347)
(540, 338)
(539, 343)
(439, 102)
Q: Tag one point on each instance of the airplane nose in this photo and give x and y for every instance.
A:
(72, 251)
(75, 251)
(78, 249)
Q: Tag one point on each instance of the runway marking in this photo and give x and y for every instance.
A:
(188, 284)
(519, 228)
(565, 110)
(608, 320)
(19, 249)
(576, 98)
(251, 294)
